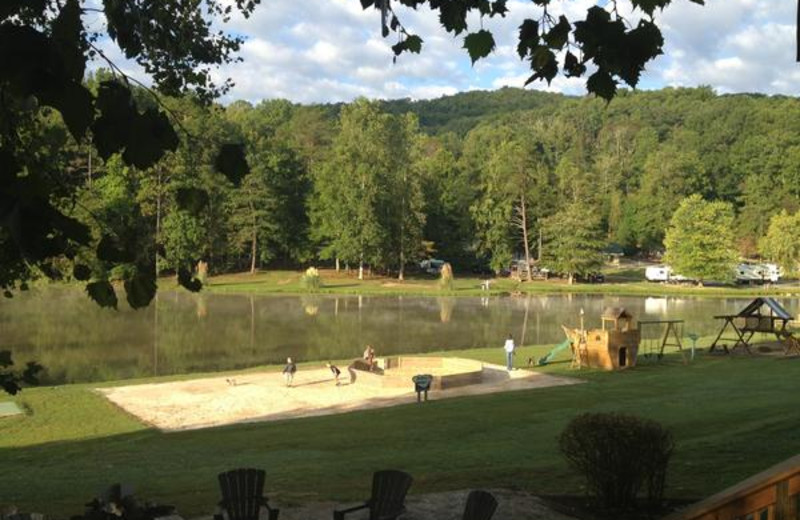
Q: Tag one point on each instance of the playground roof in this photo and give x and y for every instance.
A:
(754, 308)
(615, 313)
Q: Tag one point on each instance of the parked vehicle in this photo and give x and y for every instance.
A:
(663, 273)
(757, 273)
(432, 265)
(657, 273)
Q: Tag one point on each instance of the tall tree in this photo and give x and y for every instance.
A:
(781, 244)
(700, 242)
(348, 217)
(574, 241)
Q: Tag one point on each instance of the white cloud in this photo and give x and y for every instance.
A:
(332, 50)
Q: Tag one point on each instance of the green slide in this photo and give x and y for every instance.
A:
(553, 353)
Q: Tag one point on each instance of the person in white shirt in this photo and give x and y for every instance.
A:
(509, 348)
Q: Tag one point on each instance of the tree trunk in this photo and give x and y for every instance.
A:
(571, 278)
(254, 248)
(337, 264)
(158, 219)
(524, 215)
(539, 252)
(361, 269)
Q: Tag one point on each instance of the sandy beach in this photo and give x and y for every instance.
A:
(264, 396)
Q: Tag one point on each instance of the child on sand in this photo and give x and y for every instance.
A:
(335, 371)
(288, 371)
(369, 356)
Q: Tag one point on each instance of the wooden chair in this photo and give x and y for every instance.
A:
(243, 495)
(389, 489)
(481, 505)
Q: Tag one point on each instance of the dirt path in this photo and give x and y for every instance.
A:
(264, 396)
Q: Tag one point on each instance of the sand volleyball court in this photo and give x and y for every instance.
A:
(263, 396)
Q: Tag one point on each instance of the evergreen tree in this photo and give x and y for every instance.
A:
(573, 241)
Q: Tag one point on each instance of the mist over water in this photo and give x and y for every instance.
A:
(182, 332)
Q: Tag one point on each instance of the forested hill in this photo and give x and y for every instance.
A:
(461, 112)
(472, 179)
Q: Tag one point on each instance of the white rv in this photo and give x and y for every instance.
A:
(663, 273)
(757, 273)
(657, 273)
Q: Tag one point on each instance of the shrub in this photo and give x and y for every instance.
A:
(311, 280)
(446, 277)
(619, 455)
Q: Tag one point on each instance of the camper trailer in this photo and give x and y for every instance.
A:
(658, 273)
(663, 273)
(757, 273)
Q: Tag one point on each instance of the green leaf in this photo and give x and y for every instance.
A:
(544, 63)
(66, 33)
(499, 7)
(151, 136)
(110, 130)
(411, 43)
(557, 37)
(193, 200)
(232, 163)
(649, 6)
(453, 16)
(186, 280)
(102, 293)
(602, 85)
(479, 44)
(74, 102)
(572, 66)
(81, 272)
(140, 289)
(109, 249)
(528, 37)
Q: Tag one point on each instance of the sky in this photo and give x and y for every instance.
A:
(311, 51)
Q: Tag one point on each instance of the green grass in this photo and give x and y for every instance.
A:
(621, 282)
(731, 417)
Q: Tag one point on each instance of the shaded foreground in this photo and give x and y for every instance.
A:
(731, 417)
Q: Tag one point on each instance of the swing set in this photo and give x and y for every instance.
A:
(655, 344)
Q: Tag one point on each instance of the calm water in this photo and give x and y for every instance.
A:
(184, 332)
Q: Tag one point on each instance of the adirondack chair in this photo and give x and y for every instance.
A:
(243, 495)
(389, 489)
(481, 505)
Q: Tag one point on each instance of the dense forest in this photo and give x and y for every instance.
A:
(477, 179)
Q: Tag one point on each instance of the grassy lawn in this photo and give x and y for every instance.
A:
(731, 417)
(621, 282)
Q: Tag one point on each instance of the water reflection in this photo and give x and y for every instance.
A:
(183, 333)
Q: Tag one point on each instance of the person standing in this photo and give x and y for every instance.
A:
(335, 371)
(369, 357)
(288, 371)
(509, 348)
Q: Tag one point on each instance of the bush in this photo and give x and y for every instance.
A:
(446, 277)
(619, 455)
(311, 280)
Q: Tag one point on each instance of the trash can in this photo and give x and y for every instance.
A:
(422, 383)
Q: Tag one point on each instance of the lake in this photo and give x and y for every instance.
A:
(183, 332)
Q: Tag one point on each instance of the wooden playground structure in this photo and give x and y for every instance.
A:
(764, 315)
(615, 346)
